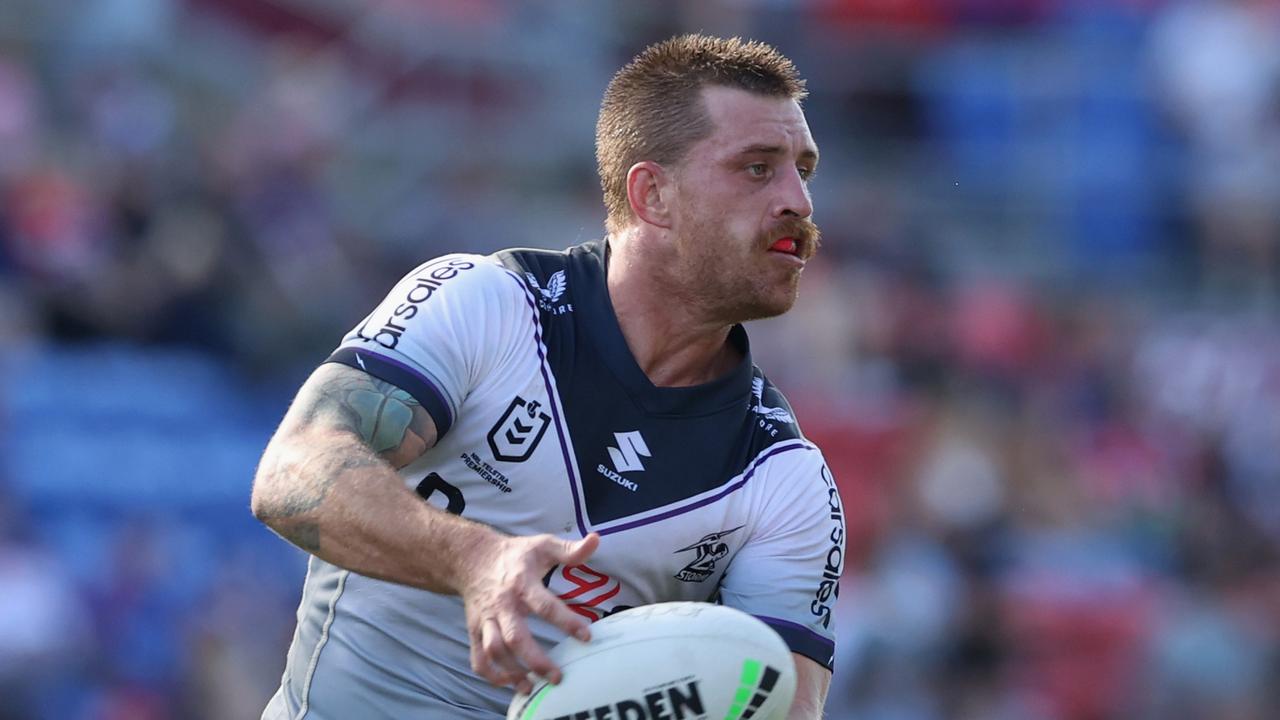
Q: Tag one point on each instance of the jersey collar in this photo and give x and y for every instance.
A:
(598, 321)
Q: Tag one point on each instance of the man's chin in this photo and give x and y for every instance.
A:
(763, 308)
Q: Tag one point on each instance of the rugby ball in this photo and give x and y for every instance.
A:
(674, 661)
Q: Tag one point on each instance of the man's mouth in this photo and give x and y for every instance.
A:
(788, 245)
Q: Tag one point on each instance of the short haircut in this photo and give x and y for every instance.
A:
(653, 109)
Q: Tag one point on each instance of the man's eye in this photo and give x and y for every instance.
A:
(758, 169)
(806, 174)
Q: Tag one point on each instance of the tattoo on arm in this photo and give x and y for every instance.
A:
(300, 485)
(389, 420)
(309, 482)
(305, 535)
(393, 428)
(384, 412)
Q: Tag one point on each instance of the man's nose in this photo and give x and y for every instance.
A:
(794, 199)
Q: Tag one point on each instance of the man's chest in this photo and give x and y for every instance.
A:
(521, 472)
(681, 558)
(541, 450)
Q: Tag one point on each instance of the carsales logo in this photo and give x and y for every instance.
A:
(829, 586)
(423, 287)
(584, 590)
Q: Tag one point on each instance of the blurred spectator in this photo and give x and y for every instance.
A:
(44, 626)
(1218, 72)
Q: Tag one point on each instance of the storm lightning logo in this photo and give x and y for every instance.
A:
(709, 549)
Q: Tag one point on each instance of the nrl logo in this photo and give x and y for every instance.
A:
(549, 296)
(709, 549)
(775, 414)
(519, 430)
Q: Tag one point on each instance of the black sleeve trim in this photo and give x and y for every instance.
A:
(409, 379)
(803, 641)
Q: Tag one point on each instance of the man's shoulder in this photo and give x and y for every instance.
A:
(783, 452)
(456, 270)
(775, 420)
(527, 258)
(464, 280)
(510, 274)
(543, 263)
(547, 273)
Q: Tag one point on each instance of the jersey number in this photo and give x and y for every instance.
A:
(432, 483)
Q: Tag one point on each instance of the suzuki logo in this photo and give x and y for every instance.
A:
(626, 457)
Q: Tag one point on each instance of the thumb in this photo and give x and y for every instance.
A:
(577, 552)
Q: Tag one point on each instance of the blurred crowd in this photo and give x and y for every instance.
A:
(1040, 348)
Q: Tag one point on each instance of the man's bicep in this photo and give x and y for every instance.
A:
(342, 422)
(387, 419)
(787, 572)
(812, 683)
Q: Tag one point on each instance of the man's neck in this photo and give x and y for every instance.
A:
(672, 342)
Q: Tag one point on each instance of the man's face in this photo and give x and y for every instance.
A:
(740, 217)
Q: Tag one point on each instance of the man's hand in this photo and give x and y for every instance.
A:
(502, 588)
(327, 483)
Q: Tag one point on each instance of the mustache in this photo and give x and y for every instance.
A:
(806, 233)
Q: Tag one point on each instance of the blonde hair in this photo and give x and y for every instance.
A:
(653, 110)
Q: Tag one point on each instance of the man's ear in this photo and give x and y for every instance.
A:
(648, 187)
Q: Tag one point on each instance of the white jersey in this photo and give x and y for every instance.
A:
(547, 425)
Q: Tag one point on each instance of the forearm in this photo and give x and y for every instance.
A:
(330, 495)
(812, 683)
(801, 709)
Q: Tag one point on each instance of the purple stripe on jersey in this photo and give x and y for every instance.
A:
(552, 400)
(803, 640)
(350, 356)
(708, 500)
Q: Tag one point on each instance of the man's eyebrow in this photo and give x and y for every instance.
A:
(760, 149)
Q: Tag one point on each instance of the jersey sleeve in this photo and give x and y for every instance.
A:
(788, 571)
(441, 329)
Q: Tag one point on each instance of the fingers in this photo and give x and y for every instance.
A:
(492, 657)
(520, 641)
(502, 646)
(500, 652)
(496, 663)
(552, 609)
